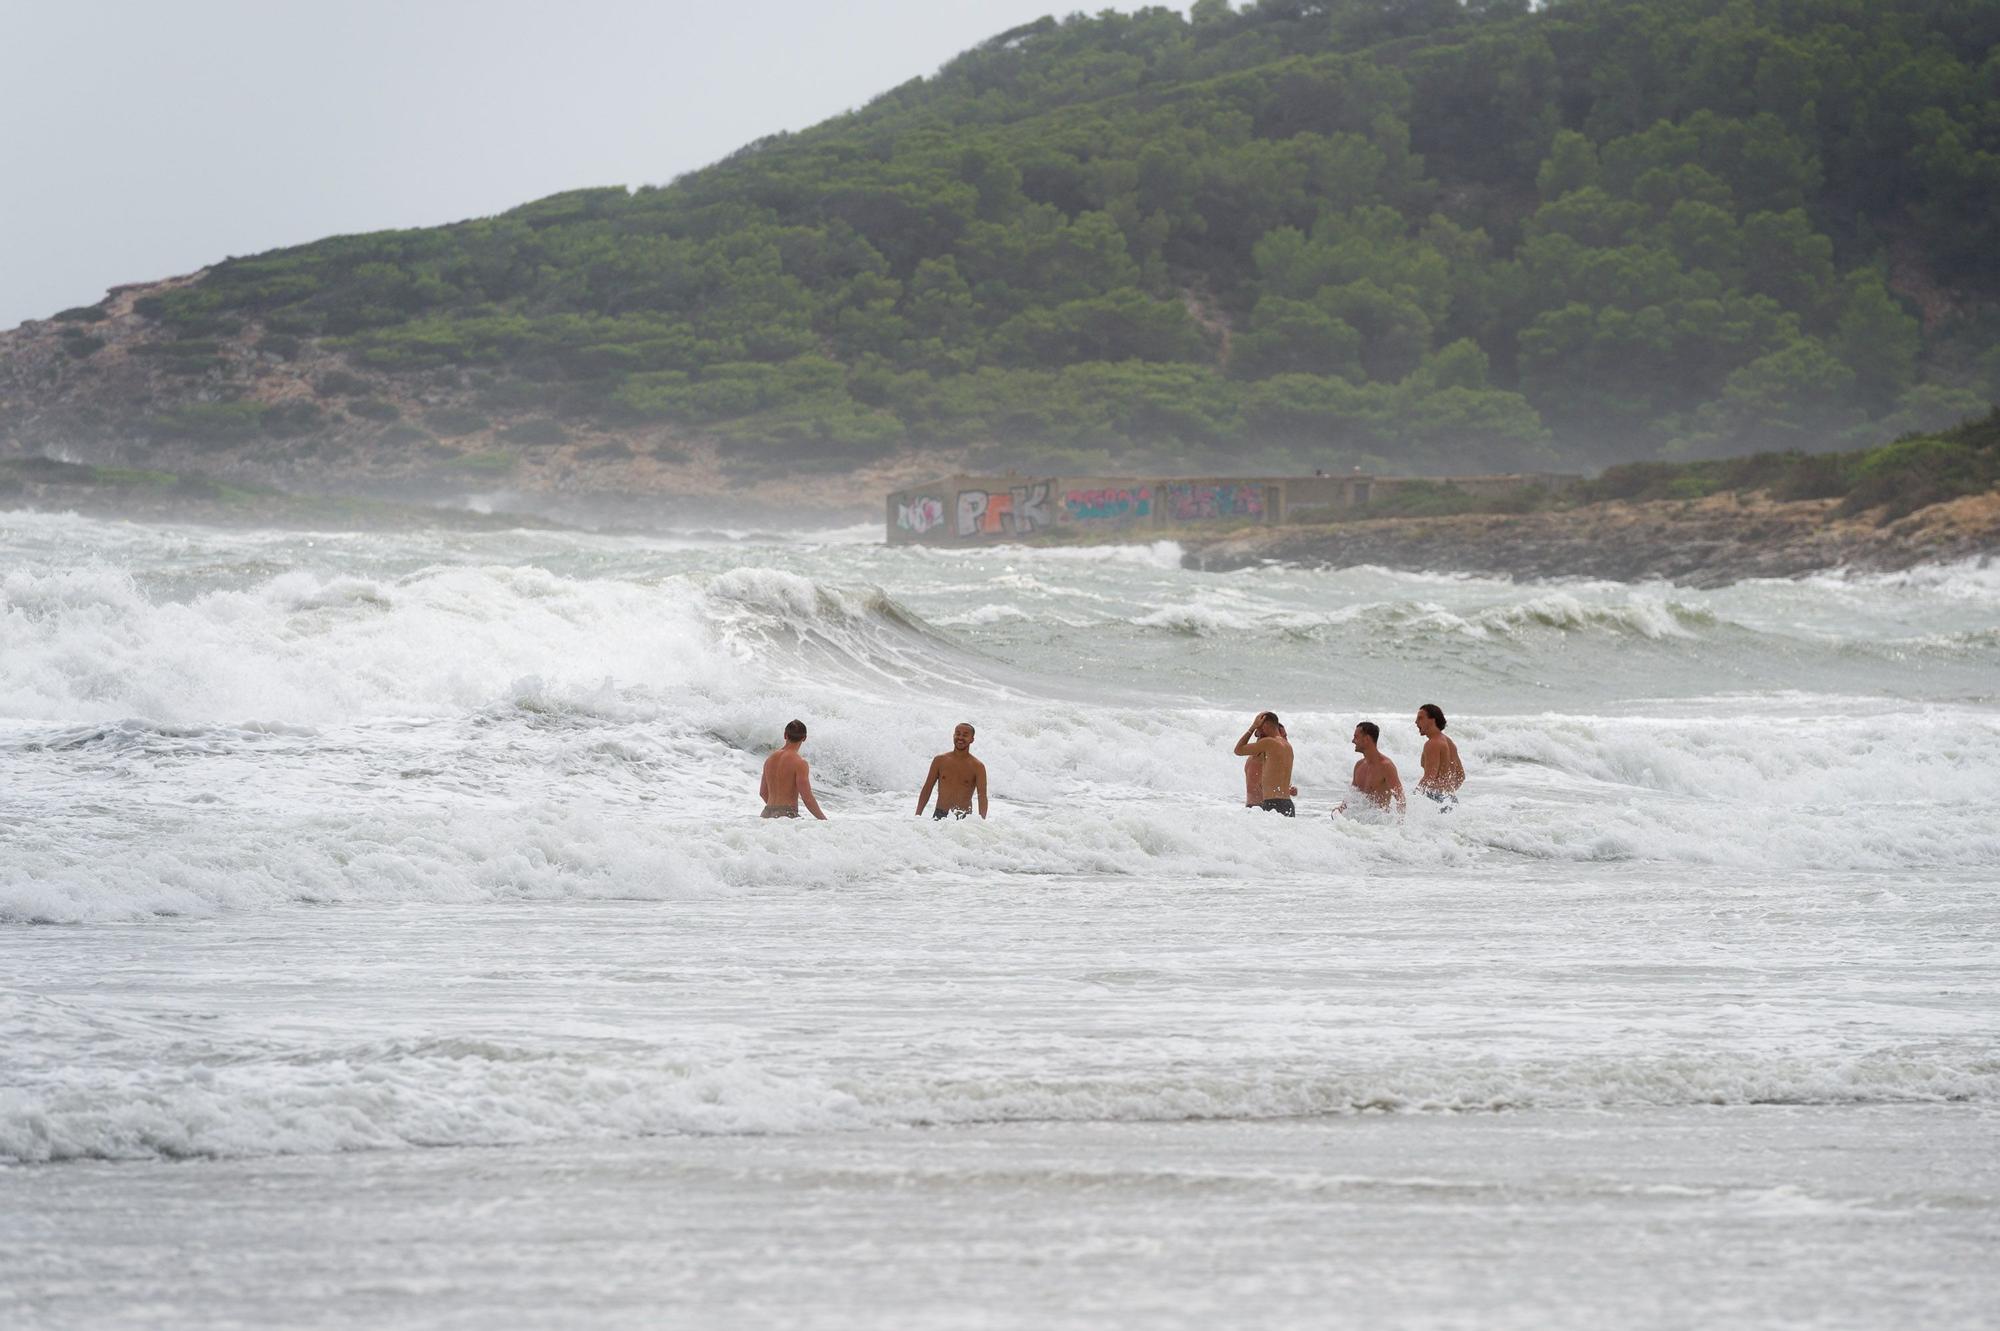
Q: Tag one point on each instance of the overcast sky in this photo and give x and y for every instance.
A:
(146, 138)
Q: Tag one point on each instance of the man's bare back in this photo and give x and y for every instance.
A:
(1265, 740)
(788, 778)
(1443, 772)
(1253, 776)
(957, 776)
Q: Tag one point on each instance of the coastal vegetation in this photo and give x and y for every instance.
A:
(1893, 480)
(1413, 235)
(1888, 482)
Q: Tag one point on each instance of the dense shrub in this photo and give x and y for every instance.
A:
(374, 409)
(536, 431)
(486, 464)
(179, 349)
(339, 383)
(211, 422)
(285, 420)
(404, 436)
(455, 420)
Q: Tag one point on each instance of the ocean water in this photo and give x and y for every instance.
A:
(387, 938)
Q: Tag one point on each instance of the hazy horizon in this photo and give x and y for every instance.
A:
(160, 141)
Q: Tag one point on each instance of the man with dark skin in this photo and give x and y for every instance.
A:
(957, 777)
(1443, 772)
(1375, 778)
(788, 778)
(1266, 739)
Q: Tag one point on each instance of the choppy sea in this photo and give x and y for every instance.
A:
(387, 938)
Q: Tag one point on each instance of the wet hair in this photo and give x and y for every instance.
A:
(795, 730)
(1370, 729)
(1435, 713)
(968, 725)
(1272, 717)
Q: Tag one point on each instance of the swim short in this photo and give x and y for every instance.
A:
(781, 811)
(1444, 799)
(1279, 806)
(939, 816)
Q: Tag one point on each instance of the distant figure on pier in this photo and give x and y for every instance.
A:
(1443, 772)
(788, 778)
(957, 777)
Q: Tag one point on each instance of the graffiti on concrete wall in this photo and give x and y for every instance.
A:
(1198, 500)
(1016, 511)
(921, 514)
(1109, 504)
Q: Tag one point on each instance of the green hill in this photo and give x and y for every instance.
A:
(1415, 234)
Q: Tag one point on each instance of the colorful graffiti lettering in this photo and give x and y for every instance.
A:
(923, 513)
(1109, 504)
(1013, 512)
(1195, 502)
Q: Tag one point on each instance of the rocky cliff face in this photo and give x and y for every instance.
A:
(1703, 543)
(108, 387)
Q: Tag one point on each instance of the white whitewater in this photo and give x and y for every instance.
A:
(325, 859)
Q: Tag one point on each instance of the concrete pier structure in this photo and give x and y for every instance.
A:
(977, 510)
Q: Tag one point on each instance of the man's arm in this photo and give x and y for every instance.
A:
(806, 790)
(979, 784)
(930, 780)
(764, 784)
(1433, 763)
(1396, 787)
(1252, 748)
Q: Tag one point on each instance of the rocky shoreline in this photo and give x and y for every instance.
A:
(1699, 543)
(48, 486)
(1705, 542)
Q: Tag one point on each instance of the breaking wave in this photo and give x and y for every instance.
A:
(390, 1095)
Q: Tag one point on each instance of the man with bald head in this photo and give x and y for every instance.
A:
(957, 776)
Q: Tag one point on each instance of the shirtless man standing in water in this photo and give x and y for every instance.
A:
(1265, 739)
(788, 778)
(957, 775)
(1253, 777)
(1375, 776)
(1443, 772)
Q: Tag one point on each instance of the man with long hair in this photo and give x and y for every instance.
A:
(1443, 772)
